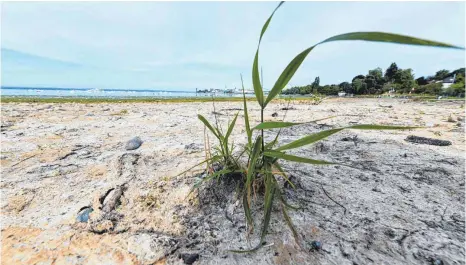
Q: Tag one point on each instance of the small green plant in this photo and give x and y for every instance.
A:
(263, 165)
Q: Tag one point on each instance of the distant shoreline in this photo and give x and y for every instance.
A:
(76, 99)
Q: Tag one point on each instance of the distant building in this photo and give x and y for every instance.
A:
(341, 94)
(447, 82)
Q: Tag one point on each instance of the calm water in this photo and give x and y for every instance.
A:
(107, 93)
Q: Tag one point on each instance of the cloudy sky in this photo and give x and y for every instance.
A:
(184, 45)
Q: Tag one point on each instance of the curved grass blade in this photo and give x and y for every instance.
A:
(390, 38)
(293, 66)
(309, 139)
(296, 158)
(225, 139)
(289, 222)
(281, 124)
(246, 116)
(207, 124)
(274, 124)
(230, 128)
(255, 66)
(380, 127)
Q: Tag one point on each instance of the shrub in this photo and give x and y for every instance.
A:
(263, 166)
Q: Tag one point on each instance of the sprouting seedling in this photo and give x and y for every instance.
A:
(263, 158)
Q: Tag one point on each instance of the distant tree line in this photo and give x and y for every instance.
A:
(394, 78)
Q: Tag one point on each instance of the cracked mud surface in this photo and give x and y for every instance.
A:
(401, 203)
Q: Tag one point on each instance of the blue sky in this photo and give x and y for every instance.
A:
(184, 45)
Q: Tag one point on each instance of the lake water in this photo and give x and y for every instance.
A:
(106, 93)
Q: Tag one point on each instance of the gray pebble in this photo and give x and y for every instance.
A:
(133, 144)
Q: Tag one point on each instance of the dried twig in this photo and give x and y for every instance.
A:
(322, 186)
(23, 160)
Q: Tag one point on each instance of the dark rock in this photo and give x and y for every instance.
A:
(133, 144)
(429, 141)
(274, 114)
(316, 245)
(189, 258)
(192, 148)
(288, 108)
(83, 215)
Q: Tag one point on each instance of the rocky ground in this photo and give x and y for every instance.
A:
(399, 203)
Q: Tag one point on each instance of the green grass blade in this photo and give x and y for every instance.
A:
(380, 127)
(207, 124)
(390, 38)
(256, 83)
(280, 124)
(266, 25)
(274, 124)
(246, 116)
(230, 128)
(287, 74)
(309, 139)
(255, 67)
(289, 222)
(296, 158)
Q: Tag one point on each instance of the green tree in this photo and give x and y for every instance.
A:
(459, 78)
(377, 73)
(442, 74)
(433, 88)
(359, 86)
(387, 87)
(347, 87)
(315, 84)
(422, 81)
(370, 84)
(404, 79)
(391, 71)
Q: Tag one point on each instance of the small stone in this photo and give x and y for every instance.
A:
(274, 114)
(83, 215)
(316, 245)
(437, 262)
(133, 144)
(363, 178)
(189, 258)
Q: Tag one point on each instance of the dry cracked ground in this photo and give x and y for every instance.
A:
(398, 203)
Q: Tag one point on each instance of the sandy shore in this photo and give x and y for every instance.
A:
(404, 205)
